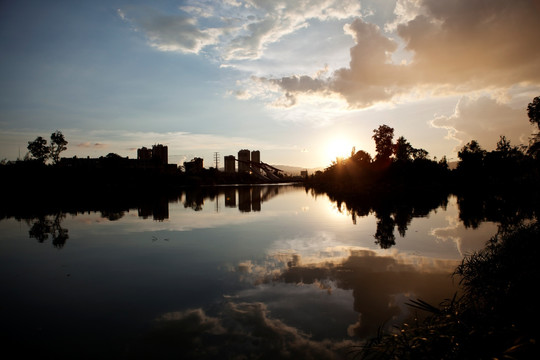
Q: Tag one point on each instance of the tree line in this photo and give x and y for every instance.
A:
(398, 166)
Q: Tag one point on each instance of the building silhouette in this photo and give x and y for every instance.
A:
(230, 164)
(256, 161)
(243, 161)
(144, 154)
(194, 166)
(159, 154)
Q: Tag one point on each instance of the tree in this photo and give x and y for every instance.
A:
(403, 149)
(471, 156)
(58, 144)
(419, 154)
(533, 111)
(361, 158)
(383, 137)
(39, 149)
(503, 145)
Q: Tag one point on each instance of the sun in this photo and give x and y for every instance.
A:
(339, 147)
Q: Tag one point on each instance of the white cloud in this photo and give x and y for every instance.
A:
(485, 120)
(234, 29)
(467, 240)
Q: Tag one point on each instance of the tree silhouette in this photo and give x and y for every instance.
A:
(403, 149)
(533, 111)
(58, 144)
(39, 149)
(383, 137)
(471, 156)
(361, 158)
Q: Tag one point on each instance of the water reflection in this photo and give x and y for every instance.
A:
(42, 227)
(45, 221)
(392, 212)
(240, 330)
(379, 285)
(228, 271)
(393, 215)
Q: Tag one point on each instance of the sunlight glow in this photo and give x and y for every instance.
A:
(338, 147)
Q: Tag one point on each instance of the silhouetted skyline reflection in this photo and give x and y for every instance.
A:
(228, 271)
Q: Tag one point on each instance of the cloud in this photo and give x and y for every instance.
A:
(166, 32)
(380, 284)
(240, 329)
(90, 145)
(485, 120)
(456, 46)
(467, 240)
(232, 30)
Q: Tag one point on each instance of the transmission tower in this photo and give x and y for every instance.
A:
(216, 159)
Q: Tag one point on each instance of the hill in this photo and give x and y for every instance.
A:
(295, 170)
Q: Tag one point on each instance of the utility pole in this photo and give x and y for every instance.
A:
(216, 159)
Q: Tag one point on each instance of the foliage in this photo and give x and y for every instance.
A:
(58, 144)
(40, 151)
(403, 149)
(383, 142)
(533, 111)
(471, 155)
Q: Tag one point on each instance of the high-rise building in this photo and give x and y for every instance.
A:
(243, 161)
(230, 166)
(256, 161)
(144, 154)
(193, 166)
(160, 154)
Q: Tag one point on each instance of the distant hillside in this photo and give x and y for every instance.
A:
(295, 170)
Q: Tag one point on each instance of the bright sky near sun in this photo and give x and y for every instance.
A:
(301, 81)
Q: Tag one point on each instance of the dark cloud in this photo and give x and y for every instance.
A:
(380, 284)
(475, 43)
(238, 331)
(170, 32)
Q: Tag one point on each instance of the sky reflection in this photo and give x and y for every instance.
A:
(294, 272)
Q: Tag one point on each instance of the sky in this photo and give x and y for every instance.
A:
(301, 81)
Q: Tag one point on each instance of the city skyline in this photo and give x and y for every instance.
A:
(303, 82)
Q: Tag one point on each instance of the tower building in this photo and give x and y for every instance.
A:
(230, 166)
(243, 161)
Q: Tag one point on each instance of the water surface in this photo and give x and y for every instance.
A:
(263, 270)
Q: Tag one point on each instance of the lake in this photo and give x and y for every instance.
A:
(225, 272)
